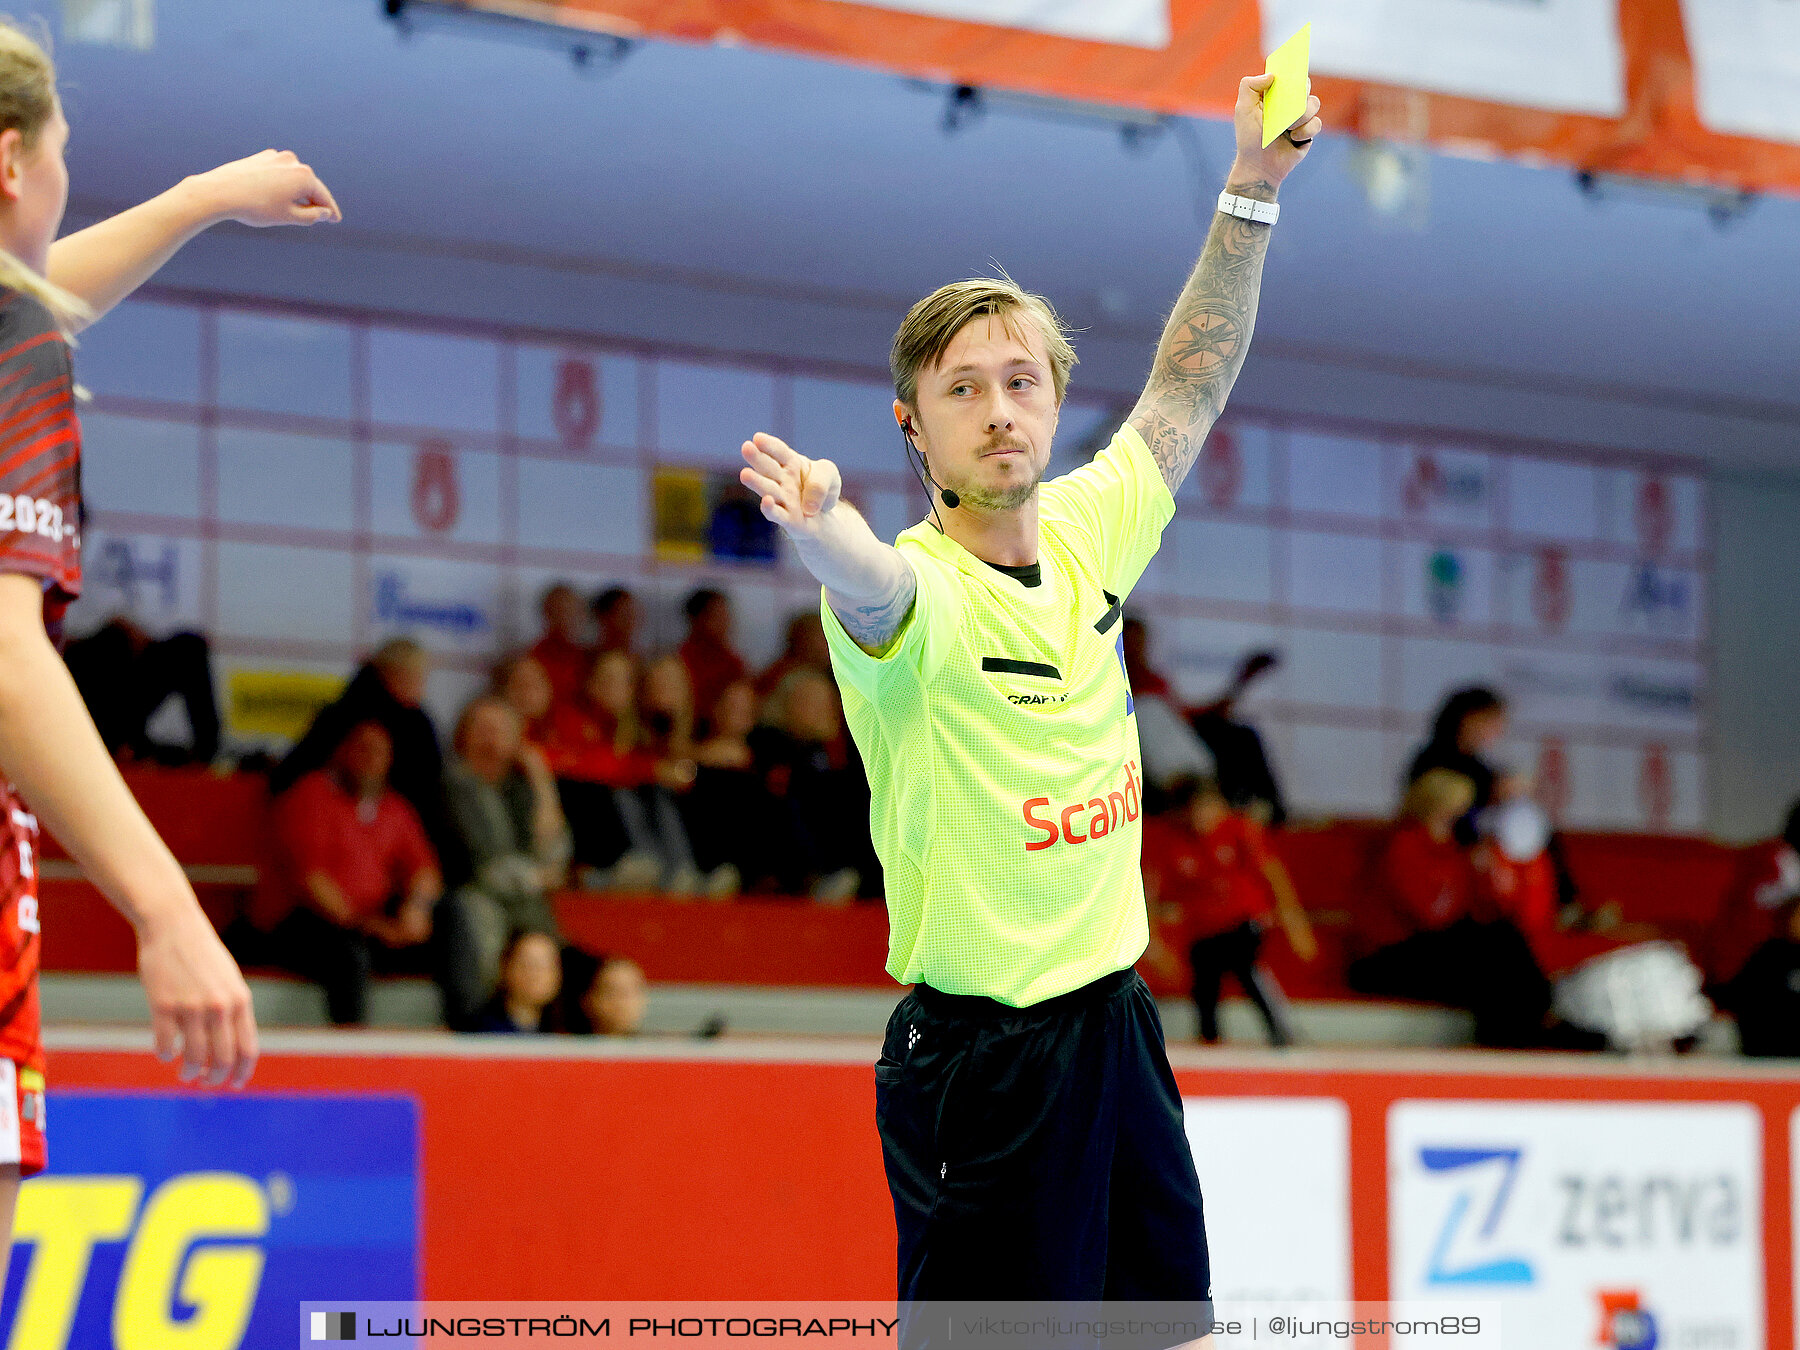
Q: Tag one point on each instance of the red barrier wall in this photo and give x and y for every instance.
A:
(726, 1173)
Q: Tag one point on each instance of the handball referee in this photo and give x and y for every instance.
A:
(1029, 1121)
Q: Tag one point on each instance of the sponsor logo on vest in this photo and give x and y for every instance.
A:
(1079, 822)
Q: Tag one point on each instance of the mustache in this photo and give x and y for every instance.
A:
(1005, 443)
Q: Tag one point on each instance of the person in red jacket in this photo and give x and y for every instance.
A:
(1212, 885)
(357, 876)
(1426, 935)
(618, 791)
(712, 662)
(561, 651)
(1515, 876)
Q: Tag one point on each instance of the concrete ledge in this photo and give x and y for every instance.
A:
(681, 1010)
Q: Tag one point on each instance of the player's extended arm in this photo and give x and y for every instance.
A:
(1208, 334)
(199, 1003)
(107, 262)
(1289, 911)
(868, 585)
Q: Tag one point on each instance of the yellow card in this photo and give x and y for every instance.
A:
(1285, 100)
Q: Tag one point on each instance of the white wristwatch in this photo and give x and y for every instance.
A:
(1248, 208)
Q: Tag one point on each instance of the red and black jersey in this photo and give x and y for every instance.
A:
(19, 1028)
(40, 536)
(40, 454)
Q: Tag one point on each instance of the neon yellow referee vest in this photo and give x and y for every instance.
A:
(1002, 747)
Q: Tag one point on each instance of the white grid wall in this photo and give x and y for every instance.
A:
(303, 485)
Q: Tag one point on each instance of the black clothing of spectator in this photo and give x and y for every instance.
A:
(341, 960)
(1487, 968)
(124, 676)
(1235, 952)
(1240, 763)
(824, 809)
(1765, 998)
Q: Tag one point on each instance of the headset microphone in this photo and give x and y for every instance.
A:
(947, 495)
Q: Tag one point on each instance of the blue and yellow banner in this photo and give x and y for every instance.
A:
(174, 1221)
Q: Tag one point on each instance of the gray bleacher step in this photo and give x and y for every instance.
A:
(679, 1009)
(399, 1003)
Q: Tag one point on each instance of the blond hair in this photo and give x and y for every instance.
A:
(932, 325)
(475, 707)
(27, 103)
(1438, 792)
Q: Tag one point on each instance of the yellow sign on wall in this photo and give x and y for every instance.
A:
(262, 703)
(682, 512)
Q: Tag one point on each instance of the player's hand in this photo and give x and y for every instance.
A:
(199, 1003)
(796, 491)
(269, 188)
(1277, 161)
(412, 927)
(1305, 945)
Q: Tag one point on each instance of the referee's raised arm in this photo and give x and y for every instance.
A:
(1208, 334)
(868, 584)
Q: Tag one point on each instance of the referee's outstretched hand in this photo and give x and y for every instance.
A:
(1281, 156)
(796, 491)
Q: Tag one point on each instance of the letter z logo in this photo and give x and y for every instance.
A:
(1471, 1166)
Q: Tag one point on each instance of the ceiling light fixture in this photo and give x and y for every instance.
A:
(588, 52)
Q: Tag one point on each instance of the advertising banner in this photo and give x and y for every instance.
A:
(169, 1219)
(1621, 1225)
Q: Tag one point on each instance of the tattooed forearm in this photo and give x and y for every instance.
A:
(1205, 341)
(876, 623)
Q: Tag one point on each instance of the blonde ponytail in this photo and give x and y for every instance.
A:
(27, 101)
(69, 310)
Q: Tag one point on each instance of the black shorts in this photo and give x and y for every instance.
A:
(1038, 1153)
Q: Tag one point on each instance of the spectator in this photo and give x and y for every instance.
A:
(1469, 724)
(666, 723)
(1764, 994)
(523, 684)
(731, 818)
(125, 676)
(806, 650)
(604, 996)
(1134, 647)
(1754, 910)
(1212, 886)
(617, 617)
(505, 805)
(561, 651)
(619, 797)
(1169, 748)
(530, 980)
(1515, 880)
(810, 767)
(355, 882)
(390, 689)
(707, 652)
(1422, 936)
(1244, 772)
(665, 710)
